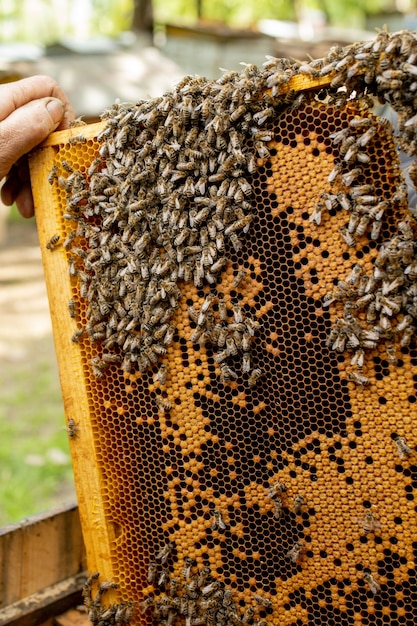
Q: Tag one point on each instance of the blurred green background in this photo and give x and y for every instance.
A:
(47, 21)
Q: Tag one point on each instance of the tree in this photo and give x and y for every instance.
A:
(142, 19)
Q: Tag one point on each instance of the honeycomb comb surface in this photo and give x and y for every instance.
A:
(292, 491)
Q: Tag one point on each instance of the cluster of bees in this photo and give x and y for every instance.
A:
(390, 290)
(100, 614)
(381, 306)
(231, 338)
(198, 599)
(170, 195)
(166, 199)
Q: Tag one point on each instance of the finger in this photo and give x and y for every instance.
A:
(24, 201)
(17, 189)
(17, 94)
(26, 127)
(10, 188)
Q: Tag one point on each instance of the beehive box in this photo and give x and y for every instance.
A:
(231, 274)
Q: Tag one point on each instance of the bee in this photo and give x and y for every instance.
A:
(165, 553)
(358, 358)
(248, 614)
(295, 552)
(298, 504)
(334, 173)
(262, 150)
(354, 275)
(238, 113)
(278, 508)
(53, 242)
(72, 269)
(173, 587)
(402, 448)
(188, 564)
(375, 230)
(239, 278)
(94, 167)
(161, 374)
(245, 187)
(315, 217)
(240, 224)
(71, 307)
(152, 569)
(226, 373)
(209, 589)
(163, 405)
(359, 379)
(347, 236)
(142, 243)
(237, 314)
(400, 195)
(124, 613)
(220, 242)
(231, 347)
(262, 601)
(275, 490)
(349, 177)
(76, 336)
(69, 239)
(220, 357)
(77, 139)
(254, 376)
(169, 335)
(372, 583)
(163, 578)
(353, 223)
(367, 136)
(53, 174)
(87, 587)
(111, 358)
(218, 523)
(246, 362)
(408, 334)
(362, 225)
(369, 523)
(72, 429)
(360, 122)
(67, 167)
(146, 604)
(222, 310)
(406, 322)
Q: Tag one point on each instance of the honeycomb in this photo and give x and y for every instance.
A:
(266, 477)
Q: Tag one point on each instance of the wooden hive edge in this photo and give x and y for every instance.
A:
(96, 529)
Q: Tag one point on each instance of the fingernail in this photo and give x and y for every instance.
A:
(56, 110)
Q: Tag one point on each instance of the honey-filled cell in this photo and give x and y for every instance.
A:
(234, 326)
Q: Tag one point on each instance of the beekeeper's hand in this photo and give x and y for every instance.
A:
(30, 109)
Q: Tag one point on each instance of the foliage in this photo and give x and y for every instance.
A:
(238, 13)
(35, 465)
(246, 13)
(47, 21)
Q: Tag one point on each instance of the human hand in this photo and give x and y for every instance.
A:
(30, 109)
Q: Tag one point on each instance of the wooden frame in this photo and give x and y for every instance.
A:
(42, 563)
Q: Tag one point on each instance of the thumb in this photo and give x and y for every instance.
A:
(26, 127)
(56, 110)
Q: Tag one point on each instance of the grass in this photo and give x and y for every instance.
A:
(35, 465)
